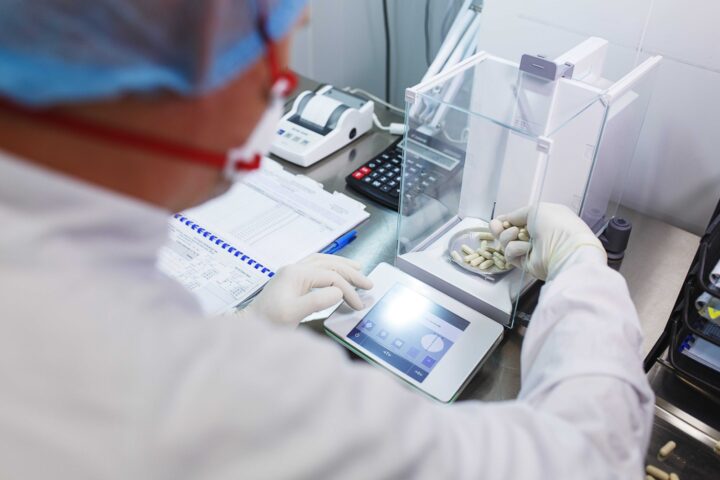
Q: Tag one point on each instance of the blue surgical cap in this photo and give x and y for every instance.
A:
(62, 51)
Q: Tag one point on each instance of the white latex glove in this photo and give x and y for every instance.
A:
(555, 234)
(316, 283)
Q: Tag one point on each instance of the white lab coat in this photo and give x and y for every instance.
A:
(108, 370)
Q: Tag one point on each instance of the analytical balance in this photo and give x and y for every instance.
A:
(535, 130)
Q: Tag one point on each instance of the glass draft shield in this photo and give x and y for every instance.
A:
(487, 137)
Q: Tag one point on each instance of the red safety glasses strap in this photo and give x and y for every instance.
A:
(119, 136)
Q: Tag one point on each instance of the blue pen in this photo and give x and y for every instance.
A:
(340, 243)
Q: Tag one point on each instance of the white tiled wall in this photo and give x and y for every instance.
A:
(676, 174)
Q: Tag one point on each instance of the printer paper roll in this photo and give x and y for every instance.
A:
(319, 109)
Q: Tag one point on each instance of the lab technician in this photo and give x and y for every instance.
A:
(114, 113)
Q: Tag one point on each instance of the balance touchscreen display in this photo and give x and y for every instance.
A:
(409, 331)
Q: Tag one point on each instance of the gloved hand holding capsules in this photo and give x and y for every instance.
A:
(556, 232)
(506, 231)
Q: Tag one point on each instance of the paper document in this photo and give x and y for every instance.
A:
(322, 314)
(219, 281)
(279, 217)
(227, 248)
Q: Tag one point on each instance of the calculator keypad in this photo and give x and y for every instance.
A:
(381, 177)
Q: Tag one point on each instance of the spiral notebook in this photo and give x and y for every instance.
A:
(226, 249)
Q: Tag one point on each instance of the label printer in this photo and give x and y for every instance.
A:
(320, 123)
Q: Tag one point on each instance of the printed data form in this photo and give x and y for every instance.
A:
(218, 280)
(271, 219)
(279, 217)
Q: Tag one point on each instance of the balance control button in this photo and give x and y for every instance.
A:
(428, 362)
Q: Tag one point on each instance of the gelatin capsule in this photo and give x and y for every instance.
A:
(467, 250)
(656, 473)
(471, 257)
(486, 264)
(667, 449)
(456, 256)
(485, 236)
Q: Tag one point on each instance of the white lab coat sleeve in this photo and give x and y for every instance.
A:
(582, 363)
(264, 402)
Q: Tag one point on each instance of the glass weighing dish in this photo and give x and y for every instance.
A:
(470, 238)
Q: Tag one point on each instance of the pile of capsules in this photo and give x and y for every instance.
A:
(484, 257)
(489, 255)
(655, 473)
(508, 231)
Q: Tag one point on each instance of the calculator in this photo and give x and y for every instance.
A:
(380, 178)
(430, 164)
